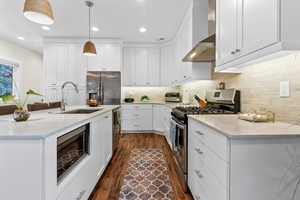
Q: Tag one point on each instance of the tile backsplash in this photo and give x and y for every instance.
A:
(259, 85)
(156, 94)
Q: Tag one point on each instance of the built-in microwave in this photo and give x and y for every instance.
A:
(71, 149)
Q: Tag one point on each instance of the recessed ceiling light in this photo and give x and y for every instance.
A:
(95, 29)
(21, 38)
(46, 28)
(143, 30)
(140, 1)
(161, 39)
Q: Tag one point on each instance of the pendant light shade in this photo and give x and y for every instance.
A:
(89, 48)
(39, 11)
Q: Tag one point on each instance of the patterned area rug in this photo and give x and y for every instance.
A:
(146, 177)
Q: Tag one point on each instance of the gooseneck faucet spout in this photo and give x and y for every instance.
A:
(63, 103)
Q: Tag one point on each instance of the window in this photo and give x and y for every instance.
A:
(6, 79)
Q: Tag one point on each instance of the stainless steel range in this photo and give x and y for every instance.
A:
(219, 102)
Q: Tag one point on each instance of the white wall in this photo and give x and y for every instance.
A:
(30, 69)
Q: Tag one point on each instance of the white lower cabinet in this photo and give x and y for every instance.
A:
(137, 117)
(158, 123)
(207, 167)
(85, 179)
(241, 167)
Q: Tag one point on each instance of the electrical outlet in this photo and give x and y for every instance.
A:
(284, 88)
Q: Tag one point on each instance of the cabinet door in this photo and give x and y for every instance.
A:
(226, 30)
(186, 46)
(95, 63)
(112, 57)
(55, 61)
(97, 148)
(107, 132)
(128, 71)
(158, 119)
(76, 67)
(260, 24)
(108, 58)
(167, 62)
(50, 63)
(145, 120)
(153, 67)
(141, 66)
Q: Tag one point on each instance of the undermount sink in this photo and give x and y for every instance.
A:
(82, 111)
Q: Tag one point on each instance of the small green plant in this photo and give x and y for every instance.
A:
(145, 98)
(6, 98)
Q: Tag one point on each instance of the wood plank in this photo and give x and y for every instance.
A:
(108, 187)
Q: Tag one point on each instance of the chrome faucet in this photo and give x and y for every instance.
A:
(63, 103)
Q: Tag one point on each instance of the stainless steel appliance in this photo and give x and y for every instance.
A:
(104, 87)
(218, 102)
(173, 97)
(116, 128)
(71, 149)
(205, 48)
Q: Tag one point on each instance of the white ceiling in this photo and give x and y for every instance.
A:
(115, 19)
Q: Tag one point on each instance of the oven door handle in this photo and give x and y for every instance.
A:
(176, 137)
(177, 124)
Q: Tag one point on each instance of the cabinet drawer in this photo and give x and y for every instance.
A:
(204, 157)
(215, 141)
(130, 125)
(130, 114)
(80, 186)
(206, 186)
(137, 106)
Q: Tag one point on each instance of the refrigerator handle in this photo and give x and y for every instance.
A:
(102, 92)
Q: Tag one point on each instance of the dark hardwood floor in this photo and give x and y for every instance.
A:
(108, 187)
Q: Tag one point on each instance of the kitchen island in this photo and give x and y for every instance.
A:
(231, 159)
(30, 154)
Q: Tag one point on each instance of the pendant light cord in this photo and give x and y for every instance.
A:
(89, 23)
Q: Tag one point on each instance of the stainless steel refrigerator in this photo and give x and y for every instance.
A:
(105, 87)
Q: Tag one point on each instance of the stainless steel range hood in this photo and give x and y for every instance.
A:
(205, 50)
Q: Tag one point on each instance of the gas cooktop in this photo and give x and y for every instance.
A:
(195, 110)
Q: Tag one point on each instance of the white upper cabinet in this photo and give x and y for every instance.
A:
(168, 70)
(141, 66)
(227, 30)
(249, 31)
(55, 63)
(193, 29)
(128, 70)
(76, 67)
(264, 31)
(153, 65)
(64, 62)
(108, 58)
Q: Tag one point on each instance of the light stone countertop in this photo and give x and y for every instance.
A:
(232, 127)
(169, 104)
(45, 123)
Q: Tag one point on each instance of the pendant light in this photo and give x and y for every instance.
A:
(89, 48)
(38, 11)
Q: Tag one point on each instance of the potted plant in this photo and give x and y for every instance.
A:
(145, 98)
(21, 113)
